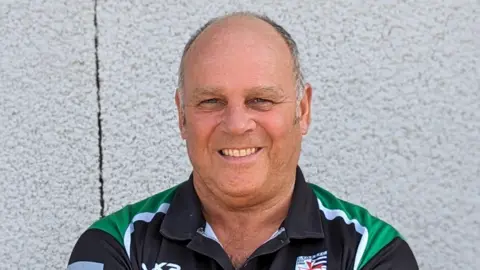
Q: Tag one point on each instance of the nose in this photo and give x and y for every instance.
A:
(237, 120)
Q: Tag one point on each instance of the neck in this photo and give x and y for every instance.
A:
(265, 210)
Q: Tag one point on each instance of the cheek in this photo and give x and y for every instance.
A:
(199, 128)
(278, 126)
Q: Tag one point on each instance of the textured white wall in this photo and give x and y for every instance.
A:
(48, 131)
(396, 124)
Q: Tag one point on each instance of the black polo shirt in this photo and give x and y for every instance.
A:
(168, 231)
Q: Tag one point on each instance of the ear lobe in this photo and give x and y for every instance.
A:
(183, 131)
(304, 128)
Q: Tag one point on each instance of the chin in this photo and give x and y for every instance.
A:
(238, 184)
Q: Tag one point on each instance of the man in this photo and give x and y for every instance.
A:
(243, 108)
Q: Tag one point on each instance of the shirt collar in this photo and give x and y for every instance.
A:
(184, 217)
(303, 219)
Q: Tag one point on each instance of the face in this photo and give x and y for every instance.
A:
(240, 124)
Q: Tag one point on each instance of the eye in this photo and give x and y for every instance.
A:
(260, 101)
(211, 104)
(210, 101)
(260, 104)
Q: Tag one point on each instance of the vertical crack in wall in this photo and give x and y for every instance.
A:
(99, 113)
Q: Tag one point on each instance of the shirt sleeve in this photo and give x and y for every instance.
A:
(397, 255)
(98, 250)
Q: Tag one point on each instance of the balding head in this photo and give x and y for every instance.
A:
(238, 30)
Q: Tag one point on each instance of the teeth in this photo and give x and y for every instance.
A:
(239, 152)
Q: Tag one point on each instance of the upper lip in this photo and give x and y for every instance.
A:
(238, 148)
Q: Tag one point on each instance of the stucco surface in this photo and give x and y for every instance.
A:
(396, 115)
(48, 131)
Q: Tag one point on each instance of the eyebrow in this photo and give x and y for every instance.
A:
(201, 92)
(269, 90)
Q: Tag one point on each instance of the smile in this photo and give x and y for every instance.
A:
(239, 152)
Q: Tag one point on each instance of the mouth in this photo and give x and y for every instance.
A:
(239, 152)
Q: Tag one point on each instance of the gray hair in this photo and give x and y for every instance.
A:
(292, 46)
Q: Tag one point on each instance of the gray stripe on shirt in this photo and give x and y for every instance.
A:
(83, 265)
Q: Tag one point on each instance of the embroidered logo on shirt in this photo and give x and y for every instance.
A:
(314, 262)
(163, 266)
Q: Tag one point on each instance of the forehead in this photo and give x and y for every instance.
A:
(240, 53)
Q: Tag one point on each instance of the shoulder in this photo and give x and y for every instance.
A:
(375, 234)
(119, 222)
(106, 243)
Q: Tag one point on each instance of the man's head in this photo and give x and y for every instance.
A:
(243, 106)
(292, 46)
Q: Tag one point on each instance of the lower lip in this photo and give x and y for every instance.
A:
(244, 159)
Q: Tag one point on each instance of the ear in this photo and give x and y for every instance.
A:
(305, 109)
(181, 114)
